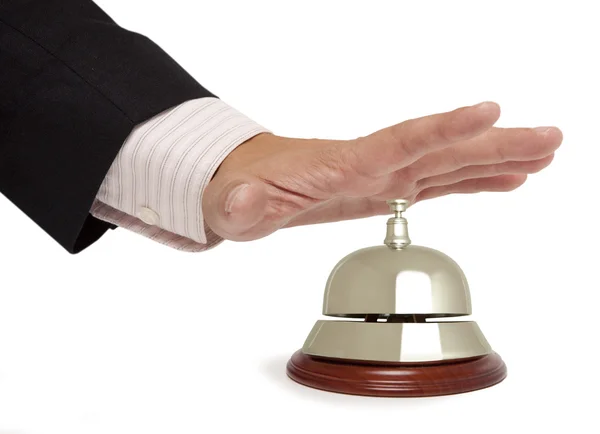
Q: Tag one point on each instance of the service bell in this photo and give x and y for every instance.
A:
(391, 340)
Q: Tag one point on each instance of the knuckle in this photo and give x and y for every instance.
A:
(455, 159)
(408, 176)
(501, 153)
(351, 161)
(349, 158)
(404, 144)
(399, 185)
(443, 131)
(497, 169)
(331, 168)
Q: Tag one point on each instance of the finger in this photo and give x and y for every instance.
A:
(470, 172)
(339, 209)
(392, 148)
(232, 207)
(497, 145)
(494, 183)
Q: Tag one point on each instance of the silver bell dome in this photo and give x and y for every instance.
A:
(397, 279)
(413, 280)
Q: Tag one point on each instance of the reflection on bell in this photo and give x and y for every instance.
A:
(390, 340)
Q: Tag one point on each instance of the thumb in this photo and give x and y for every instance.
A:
(234, 207)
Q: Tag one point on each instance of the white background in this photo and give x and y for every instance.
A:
(131, 337)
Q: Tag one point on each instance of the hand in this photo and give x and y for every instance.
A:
(271, 182)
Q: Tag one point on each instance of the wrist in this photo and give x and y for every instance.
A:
(261, 146)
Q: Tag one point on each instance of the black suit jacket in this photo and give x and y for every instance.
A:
(73, 84)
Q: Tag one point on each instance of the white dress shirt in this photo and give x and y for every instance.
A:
(155, 185)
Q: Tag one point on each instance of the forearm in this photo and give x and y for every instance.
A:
(74, 85)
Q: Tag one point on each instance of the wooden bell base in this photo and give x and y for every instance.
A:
(396, 379)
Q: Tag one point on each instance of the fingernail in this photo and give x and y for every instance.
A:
(484, 105)
(542, 130)
(233, 196)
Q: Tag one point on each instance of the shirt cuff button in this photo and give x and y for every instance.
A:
(148, 216)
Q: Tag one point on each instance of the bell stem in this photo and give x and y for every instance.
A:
(397, 227)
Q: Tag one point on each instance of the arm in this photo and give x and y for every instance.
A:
(76, 92)
(74, 85)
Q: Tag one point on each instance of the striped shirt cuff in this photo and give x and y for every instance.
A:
(155, 185)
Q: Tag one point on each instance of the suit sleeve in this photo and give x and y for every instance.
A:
(73, 85)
